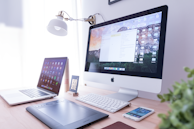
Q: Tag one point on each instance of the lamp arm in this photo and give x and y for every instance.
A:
(91, 19)
(70, 18)
(88, 19)
(64, 12)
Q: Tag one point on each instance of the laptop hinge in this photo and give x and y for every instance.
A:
(46, 90)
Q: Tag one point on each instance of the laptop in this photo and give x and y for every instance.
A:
(49, 84)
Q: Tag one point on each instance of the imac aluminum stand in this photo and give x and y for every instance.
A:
(124, 94)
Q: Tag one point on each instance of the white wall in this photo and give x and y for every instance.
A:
(179, 37)
(25, 41)
(38, 43)
(11, 29)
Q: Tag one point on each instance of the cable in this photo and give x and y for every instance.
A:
(66, 13)
(100, 15)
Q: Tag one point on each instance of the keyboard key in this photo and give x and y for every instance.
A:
(33, 93)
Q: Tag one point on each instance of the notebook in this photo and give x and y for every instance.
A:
(49, 84)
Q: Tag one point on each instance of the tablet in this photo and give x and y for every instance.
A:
(65, 114)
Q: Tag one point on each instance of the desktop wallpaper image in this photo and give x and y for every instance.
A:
(147, 44)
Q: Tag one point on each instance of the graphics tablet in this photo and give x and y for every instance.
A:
(64, 114)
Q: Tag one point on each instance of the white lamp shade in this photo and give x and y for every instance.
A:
(57, 26)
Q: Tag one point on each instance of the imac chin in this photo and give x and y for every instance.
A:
(126, 54)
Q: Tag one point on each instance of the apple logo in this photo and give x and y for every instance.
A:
(112, 79)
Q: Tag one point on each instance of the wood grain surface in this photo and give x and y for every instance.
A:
(16, 117)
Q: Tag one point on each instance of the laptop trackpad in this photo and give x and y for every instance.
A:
(14, 95)
(66, 112)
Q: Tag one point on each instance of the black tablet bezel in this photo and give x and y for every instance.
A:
(53, 124)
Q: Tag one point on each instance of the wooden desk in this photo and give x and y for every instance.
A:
(16, 117)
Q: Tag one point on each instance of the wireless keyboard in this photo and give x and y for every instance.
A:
(103, 102)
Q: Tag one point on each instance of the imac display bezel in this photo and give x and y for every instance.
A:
(137, 78)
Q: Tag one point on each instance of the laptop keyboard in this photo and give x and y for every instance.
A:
(33, 93)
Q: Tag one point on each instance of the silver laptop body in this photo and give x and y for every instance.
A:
(48, 85)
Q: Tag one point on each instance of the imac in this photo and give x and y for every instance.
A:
(127, 53)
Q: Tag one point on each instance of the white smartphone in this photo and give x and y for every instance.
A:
(139, 113)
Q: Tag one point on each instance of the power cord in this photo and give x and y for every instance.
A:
(100, 15)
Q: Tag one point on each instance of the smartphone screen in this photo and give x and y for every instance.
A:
(138, 112)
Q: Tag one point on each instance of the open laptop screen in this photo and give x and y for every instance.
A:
(52, 74)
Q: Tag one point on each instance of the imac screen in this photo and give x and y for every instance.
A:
(130, 46)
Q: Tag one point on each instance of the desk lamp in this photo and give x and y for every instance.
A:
(59, 27)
